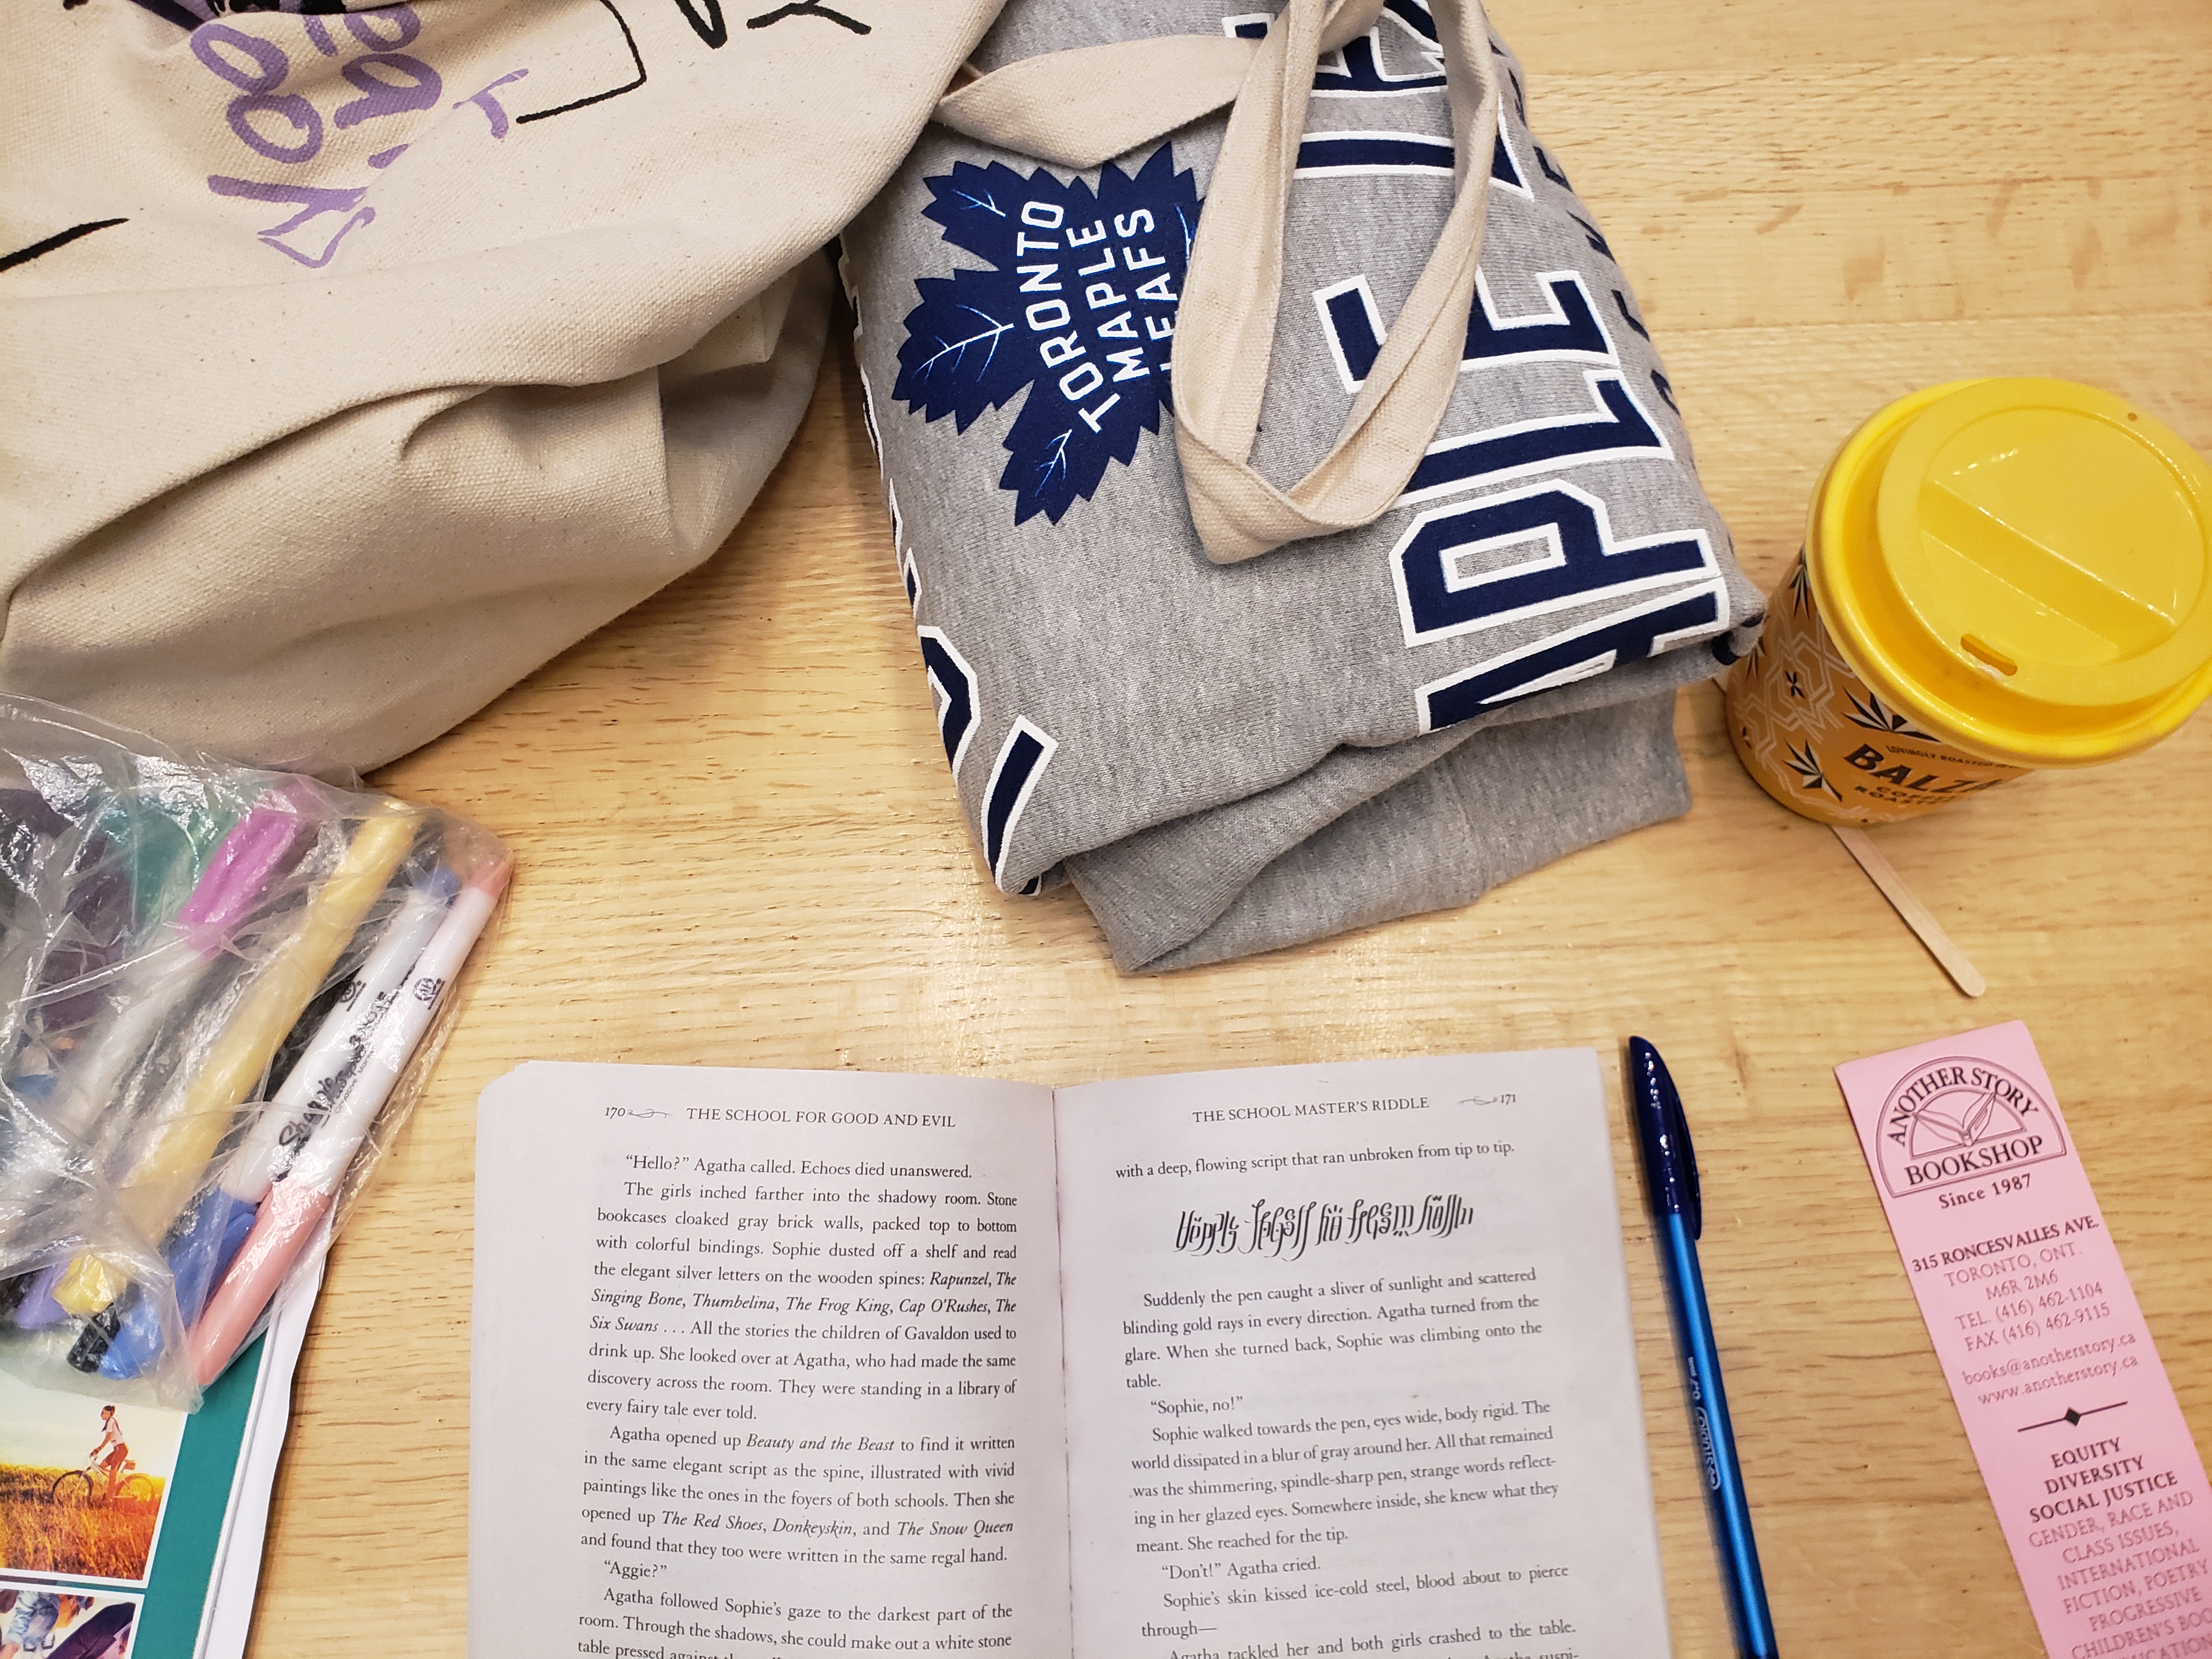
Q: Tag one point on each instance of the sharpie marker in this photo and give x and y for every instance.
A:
(217, 1224)
(298, 1202)
(339, 1048)
(177, 1149)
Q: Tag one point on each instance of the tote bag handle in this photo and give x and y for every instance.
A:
(1078, 108)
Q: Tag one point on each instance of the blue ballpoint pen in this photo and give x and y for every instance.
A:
(1670, 1169)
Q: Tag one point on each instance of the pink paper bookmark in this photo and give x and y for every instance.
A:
(2087, 1456)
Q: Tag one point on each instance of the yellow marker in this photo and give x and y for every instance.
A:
(176, 1155)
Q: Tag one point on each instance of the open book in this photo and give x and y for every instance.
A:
(1240, 1365)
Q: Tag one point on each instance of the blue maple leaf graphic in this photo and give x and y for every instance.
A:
(1078, 308)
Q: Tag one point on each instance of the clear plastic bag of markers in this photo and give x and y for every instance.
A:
(223, 990)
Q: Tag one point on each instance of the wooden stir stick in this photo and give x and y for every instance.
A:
(1918, 916)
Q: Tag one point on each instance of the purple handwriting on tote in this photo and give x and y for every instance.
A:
(489, 104)
(286, 127)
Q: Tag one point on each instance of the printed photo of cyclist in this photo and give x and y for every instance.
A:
(82, 1484)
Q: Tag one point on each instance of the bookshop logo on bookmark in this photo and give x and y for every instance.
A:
(1960, 1119)
(1078, 309)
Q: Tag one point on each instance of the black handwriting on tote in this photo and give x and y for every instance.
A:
(710, 28)
(706, 21)
(800, 9)
(637, 61)
(705, 18)
(23, 256)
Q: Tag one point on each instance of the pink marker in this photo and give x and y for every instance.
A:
(299, 1201)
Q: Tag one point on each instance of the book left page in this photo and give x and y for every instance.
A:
(764, 1359)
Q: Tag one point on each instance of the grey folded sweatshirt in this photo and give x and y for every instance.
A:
(1227, 759)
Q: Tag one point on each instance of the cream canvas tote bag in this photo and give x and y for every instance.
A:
(358, 362)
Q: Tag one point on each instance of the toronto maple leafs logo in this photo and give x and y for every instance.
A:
(1078, 308)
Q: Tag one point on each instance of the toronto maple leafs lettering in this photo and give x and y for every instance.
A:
(953, 682)
(1077, 310)
(1617, 428)
(1649, 628)
(1539, 550)
(1567, 330)
(1357, 155)
(1358, 69)
(1021, 760)
(1542, 548)
(868, 412)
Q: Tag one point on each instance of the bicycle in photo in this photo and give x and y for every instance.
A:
(88, 1486)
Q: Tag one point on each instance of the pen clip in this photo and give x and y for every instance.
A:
(1684, 1158)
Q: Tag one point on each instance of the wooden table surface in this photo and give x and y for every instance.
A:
(738, 845)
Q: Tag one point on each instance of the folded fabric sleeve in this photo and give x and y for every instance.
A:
(1227, 759)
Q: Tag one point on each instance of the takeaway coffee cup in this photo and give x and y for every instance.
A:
(1997, 576)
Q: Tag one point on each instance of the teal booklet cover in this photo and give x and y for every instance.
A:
(130, 1532)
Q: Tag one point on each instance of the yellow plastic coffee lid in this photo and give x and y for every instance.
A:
(2024, 564)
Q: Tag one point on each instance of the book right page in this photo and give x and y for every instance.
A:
(1350, 1367)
